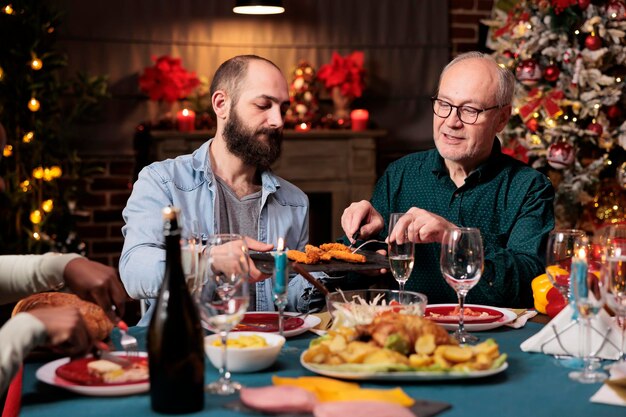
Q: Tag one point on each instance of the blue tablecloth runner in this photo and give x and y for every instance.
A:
(534, 385)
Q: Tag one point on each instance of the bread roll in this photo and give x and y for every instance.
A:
(97, 322)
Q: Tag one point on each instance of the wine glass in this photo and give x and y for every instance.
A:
(560, 250)
(191, 248)
(223, 296)
(588, 290)
(401, 255)
(613, 241)
(462, 266)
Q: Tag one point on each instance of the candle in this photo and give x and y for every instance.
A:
(302, 127)
(578, 276)
(280, 268)
(186, 120)
(359, 119)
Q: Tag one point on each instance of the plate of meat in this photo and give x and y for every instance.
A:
(100, 378)
(328, 257)
(476, 317)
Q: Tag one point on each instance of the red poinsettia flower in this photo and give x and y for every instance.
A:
(347, 73)
(167, 80)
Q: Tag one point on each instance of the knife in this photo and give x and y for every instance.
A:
(101, 351)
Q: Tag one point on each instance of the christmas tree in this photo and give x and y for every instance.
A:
(569, 57)
(40, 170)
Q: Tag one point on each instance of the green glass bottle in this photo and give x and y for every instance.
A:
(175, 338)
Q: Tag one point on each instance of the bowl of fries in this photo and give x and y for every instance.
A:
(355, 307)
(247, 351)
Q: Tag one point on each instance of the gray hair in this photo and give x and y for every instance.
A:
(230, 75)
(506, 79)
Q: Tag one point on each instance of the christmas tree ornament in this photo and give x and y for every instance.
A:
(616, 10)
(614, 113)
(583, 4)
(593, 42)
(561, 154)
(620, 174)
(28, 137)
(36, 64)
(551, 73)
(595, 128)
(35, 217)
(303, 92)
(532, 124)
(609, 203)
(33, 104)
(528, 72)
(47, 205)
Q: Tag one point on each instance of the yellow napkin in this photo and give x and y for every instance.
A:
(618, 386)
(328, 389)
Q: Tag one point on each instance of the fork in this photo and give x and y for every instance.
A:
(367, 242)
(128, 342)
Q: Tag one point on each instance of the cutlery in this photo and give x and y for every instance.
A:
(101, 351)
(128, 342)
(367, 242)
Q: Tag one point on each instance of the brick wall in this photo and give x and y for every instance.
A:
(465, 16)
(102, 204)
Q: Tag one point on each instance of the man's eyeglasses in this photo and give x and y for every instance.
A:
(467, 114)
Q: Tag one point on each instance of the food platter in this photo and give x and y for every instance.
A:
(265, 263)
(496, 317)
(352, 372)
(47, 374)
(267, 321)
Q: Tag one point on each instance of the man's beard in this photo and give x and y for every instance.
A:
(245, 144)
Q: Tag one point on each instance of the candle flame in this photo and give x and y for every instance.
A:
(185, 112)
(582, 253)
(281, 244)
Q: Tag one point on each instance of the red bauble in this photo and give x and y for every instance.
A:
(532, 125)
(561, 155)
(616, 10)
(508, 54)
(528, 72)
(593, 43)
(583, 4)
(551, 73)
(614, 113)
(596, 128)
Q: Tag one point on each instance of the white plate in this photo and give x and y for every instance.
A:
(507, 317)
(401, 376)
(310, 321)
(47, 374)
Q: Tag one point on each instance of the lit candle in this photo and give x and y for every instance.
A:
(302, 127)
(186, 120)
(280, 268)
(578, 274)
(359, 119)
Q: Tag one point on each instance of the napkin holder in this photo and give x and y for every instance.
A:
(561, 336)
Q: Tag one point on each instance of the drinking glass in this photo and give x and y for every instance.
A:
(560, 250)
(401, 255)
(223, 296)
(613, 241)
(191, 249)
(462, 266)
(588, 291)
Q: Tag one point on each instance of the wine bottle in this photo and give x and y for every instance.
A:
(175, 338)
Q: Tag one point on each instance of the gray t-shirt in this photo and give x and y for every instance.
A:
(239, 216)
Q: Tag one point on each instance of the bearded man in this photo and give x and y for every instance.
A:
(225, 186)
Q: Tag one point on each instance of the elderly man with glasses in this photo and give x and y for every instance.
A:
(467, 182)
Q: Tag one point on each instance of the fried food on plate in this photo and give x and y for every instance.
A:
(347, 256)
(327, 247)
(325, 252)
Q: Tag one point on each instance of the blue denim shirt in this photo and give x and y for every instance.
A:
(188, 183)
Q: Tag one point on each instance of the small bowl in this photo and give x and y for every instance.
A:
(356, 305)
(245, 359)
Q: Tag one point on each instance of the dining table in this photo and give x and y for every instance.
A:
(534, 384)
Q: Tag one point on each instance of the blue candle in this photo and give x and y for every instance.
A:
(280, 269)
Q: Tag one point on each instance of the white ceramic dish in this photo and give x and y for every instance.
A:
(310, 321)
(400, 376)
(47, 374)
(507, 317)
(245, 359)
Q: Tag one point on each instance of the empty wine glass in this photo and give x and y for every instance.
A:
(588, 291)
(613, 240)
(560, 250)
(401, 255)
(462, 266)
(224, 296)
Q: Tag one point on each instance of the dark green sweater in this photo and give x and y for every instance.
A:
(510, 202)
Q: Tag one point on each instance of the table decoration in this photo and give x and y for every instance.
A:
(343, 77)
(279, 283)
(186, 120)
(359, 118)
